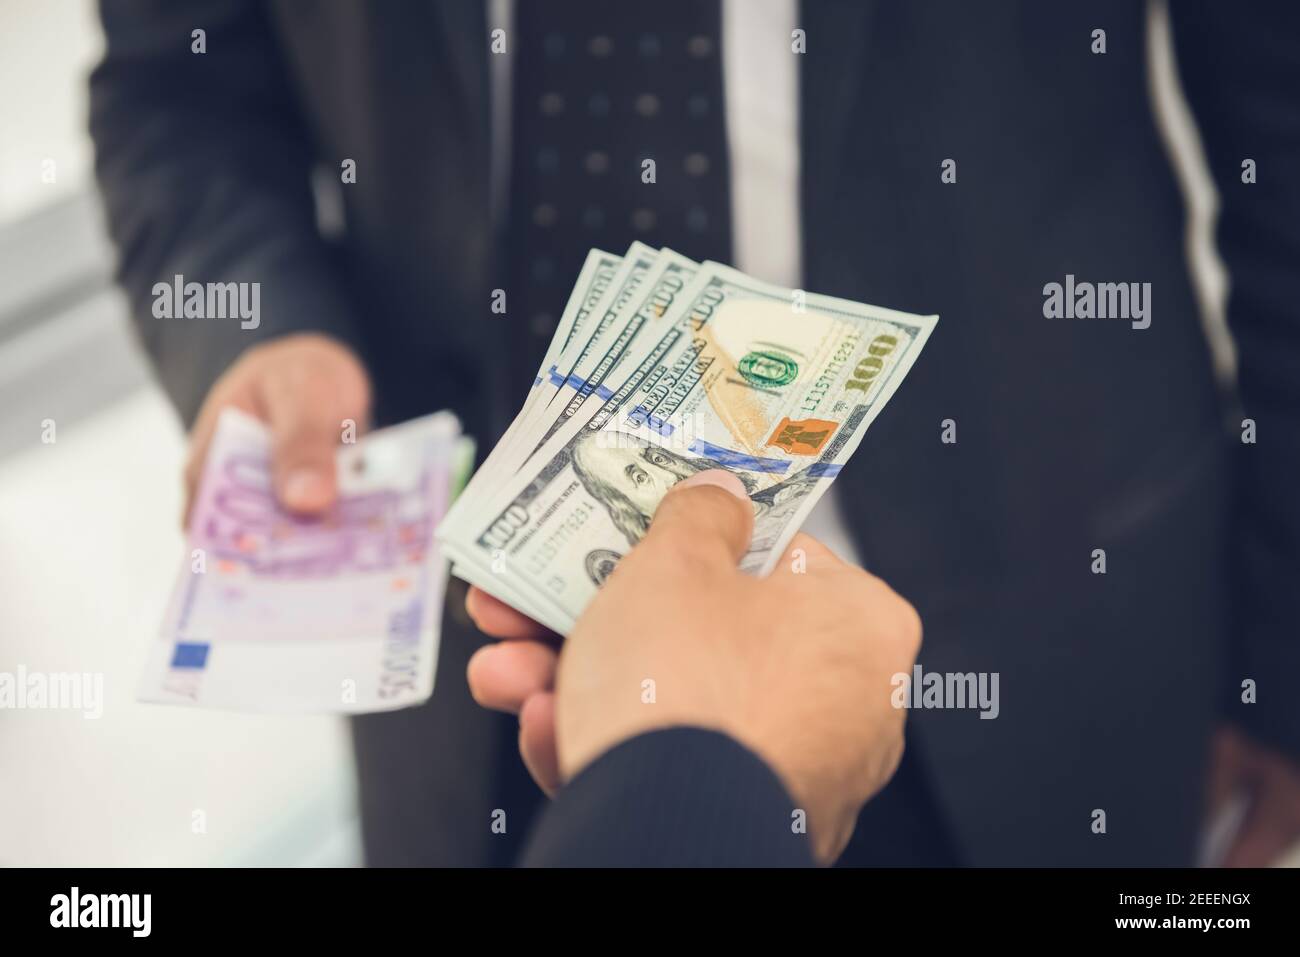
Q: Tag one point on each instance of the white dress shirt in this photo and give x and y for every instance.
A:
(761, 80)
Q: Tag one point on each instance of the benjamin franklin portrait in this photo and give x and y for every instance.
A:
(629, 476)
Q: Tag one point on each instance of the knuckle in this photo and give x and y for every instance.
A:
(693, 552)
(675, 562)
(894, 755)
(707, 511)
(817, 554)
(910, 626)
(475, 690)
(903, 620)
(474, 679)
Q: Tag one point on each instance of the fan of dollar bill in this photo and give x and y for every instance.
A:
(662, 367)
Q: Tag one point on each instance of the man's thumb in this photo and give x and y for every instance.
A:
(709, 510)
(303, 463)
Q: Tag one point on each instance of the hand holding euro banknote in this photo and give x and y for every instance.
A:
(274, 611)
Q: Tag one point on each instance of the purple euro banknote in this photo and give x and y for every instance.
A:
(275, 612)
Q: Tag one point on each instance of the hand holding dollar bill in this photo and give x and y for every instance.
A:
(661, 368)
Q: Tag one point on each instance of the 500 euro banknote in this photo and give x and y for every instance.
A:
(273, 612)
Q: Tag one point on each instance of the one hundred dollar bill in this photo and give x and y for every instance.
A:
(630, 319)
(774, 385)
(593, 289)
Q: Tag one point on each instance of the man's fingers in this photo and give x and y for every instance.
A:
(302, 459)
(708, 513)
(307, 388)
(505, 675)
(307, 417)
(537, 740)
(494, 617)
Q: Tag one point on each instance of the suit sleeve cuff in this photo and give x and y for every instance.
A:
(680, 797)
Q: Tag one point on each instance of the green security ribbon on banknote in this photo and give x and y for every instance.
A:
(661, 368)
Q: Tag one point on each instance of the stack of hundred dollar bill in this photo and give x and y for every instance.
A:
(662, 367)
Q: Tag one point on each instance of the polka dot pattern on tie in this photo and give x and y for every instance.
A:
(617, 135)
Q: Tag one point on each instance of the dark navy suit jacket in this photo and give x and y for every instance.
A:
(1072, 435)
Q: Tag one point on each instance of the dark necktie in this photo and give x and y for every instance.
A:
(600, 88)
